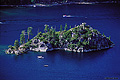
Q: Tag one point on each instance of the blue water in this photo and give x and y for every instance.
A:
(62, 65)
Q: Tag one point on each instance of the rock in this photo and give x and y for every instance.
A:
(80, 49)
(17, 52)
(42, 47)
(35, 41)
(8, 51)
(12, 52)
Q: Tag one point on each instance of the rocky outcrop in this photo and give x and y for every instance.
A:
(16, 52)
(20, 50)
(40, 46)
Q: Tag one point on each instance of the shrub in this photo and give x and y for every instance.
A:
(41, 38)
(10, 46)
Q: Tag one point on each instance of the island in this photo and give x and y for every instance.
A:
(82, 38)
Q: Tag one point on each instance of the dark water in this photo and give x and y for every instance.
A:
(62, 65)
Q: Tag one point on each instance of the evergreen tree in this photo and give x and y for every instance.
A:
(50, 32)
(46, 28)
(53, 32)
(16, 44)
(29, 32)
(60, 28)
(22, 37)
(109, 37)
(103, 35)
(70, 27)
(65, 27)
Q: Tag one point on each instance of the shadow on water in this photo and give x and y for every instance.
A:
(16, 58)
(77, 56)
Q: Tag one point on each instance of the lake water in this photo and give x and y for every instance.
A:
(62, 65)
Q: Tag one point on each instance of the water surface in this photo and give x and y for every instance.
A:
(62, 65)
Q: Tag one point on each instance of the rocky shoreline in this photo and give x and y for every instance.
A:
(19, 52)
(81, 38)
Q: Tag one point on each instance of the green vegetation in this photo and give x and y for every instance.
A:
(70, 27)
(22, 37)
(65, 27)
(77, 38)
(109, 37)
(46, 28)
(23, 33)
(104, 35)
(29, 32)
(61, 28)
(16, 44)
(11, 47)
(72, 46)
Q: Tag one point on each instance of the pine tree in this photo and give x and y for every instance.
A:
(29, 32)
(65, 27)
(109, 37)
(70, 27)
(103, 35)
(16, 44)
(61, 28)
(22, 37)
(46, 28)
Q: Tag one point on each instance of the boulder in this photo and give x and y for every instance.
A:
(17, 52)
(8, 51)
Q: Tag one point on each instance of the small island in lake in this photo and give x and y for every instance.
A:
(81, 38)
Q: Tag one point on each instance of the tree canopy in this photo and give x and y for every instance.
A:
(29, 32)
(16, 44)
(22, 37)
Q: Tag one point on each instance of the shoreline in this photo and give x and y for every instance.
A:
(18, 52)
(84, 50)
(57, 4)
